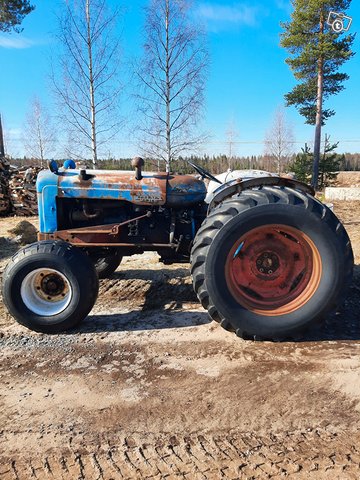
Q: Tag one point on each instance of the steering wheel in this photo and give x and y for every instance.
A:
(204, 173)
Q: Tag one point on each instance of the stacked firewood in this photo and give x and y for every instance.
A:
(5, 203)
(23, 191)
(4, 196)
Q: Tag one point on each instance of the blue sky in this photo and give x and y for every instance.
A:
(246, 82)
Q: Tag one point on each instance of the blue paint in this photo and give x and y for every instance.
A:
(53, 166)
(238, 250)
(69, 163)
(193, 228)
(46, 187)
(185, 194)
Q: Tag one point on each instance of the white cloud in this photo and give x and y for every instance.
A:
(15, 42)
(222, 15)
(14, 132)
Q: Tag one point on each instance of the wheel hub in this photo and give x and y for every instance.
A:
(52, 285)
(46, 291)
(273, 269)
(267, 263)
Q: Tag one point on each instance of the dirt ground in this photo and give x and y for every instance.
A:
(148, 388)
(348, 179)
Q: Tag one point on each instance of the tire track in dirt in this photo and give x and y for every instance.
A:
(311, 454)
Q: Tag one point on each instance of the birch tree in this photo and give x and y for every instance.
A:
(279, 141)
(232, 137)
(88, 88)
(39, 133)
(171, 80)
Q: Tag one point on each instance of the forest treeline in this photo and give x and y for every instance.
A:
(215, 163)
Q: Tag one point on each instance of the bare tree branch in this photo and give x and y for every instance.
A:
(86, 83)
(38, 132)
(171, 80)
(279, 140)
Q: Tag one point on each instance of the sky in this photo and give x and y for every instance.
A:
(246, 81)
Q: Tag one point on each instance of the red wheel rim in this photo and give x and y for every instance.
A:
(273, 270)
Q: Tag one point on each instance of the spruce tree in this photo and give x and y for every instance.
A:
(316, 54)
(329, 164)
(302, 165)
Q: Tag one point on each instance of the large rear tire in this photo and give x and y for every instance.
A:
(269, 262)
(50, 286)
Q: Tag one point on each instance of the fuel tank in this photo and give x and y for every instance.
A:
(184, 191)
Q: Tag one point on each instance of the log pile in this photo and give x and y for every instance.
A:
(17, 189)
(4, 196)
(23, 191)
(5, 202)
(17, 186)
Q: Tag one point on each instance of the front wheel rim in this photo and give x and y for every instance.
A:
(46, 292)
(273, 270)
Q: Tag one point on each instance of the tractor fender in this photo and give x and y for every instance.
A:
(238, 185)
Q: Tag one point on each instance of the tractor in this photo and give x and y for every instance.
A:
(267, 258)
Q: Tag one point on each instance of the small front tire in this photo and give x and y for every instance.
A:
(50, 286)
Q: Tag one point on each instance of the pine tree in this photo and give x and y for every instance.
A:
(316, 54)
(12, 13)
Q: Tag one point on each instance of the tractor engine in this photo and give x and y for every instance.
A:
(168, 230)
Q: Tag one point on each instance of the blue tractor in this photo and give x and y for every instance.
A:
(267, 258)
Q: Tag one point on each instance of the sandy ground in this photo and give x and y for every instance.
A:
(149, 388)
(348, 179)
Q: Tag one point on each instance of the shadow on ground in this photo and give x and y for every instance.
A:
(138, 321)
(344, 325)
(150, 274)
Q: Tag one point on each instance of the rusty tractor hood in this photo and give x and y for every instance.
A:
(152, 189)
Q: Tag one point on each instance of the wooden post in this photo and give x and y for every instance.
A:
(2, 146)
